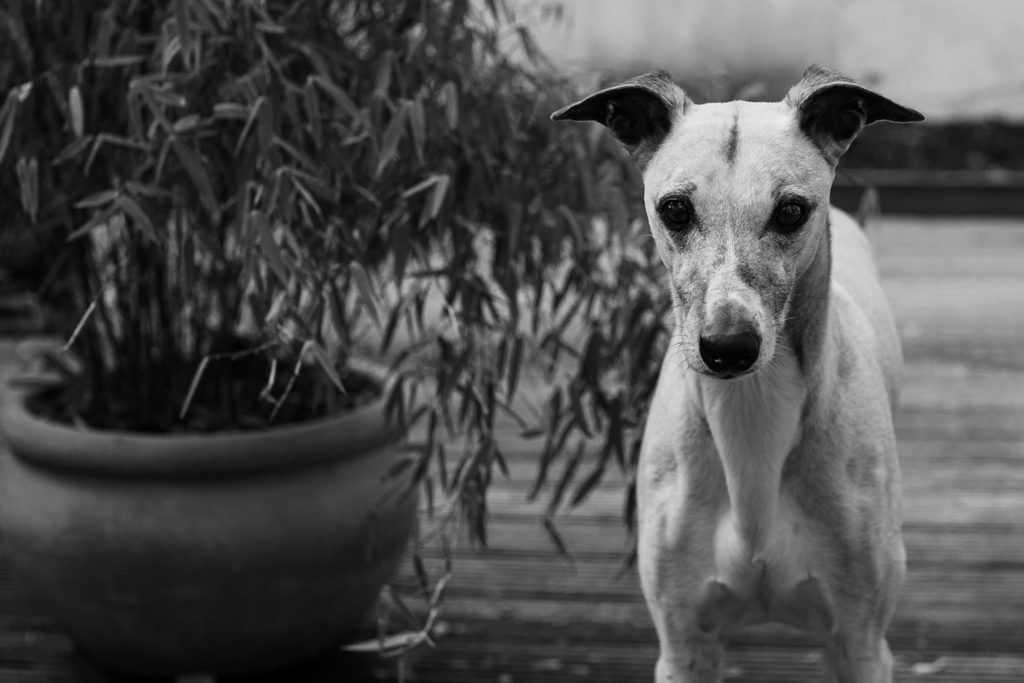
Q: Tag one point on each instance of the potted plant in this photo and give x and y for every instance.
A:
(254, 198)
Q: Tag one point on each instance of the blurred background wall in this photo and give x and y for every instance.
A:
(952, 59)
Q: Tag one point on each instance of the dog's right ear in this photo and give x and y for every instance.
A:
(637, 112)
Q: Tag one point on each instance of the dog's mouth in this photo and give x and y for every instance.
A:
(726, 374)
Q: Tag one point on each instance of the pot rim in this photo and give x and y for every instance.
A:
(345, 436)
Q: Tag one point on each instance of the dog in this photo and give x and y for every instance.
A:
(768, 483)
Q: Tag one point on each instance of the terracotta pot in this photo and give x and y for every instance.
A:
(226, 553)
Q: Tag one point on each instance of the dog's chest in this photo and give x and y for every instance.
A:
(785, 583)
(792, 551)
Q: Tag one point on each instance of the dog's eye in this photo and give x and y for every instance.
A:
(790, 216)
(677, 213)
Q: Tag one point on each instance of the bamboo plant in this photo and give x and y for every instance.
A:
(247, 192)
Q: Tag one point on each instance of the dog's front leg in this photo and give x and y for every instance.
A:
(677, 517)
(858, 652)
(684, 604)
(860, 656)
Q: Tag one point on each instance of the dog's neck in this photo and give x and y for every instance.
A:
(756, 421)
(807, 320)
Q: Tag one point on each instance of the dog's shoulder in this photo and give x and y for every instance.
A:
(859, 299)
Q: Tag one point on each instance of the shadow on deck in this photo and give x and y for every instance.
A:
(517, 612)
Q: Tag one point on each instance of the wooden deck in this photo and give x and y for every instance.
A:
(518, 612)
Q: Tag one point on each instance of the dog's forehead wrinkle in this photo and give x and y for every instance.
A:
(732, 144)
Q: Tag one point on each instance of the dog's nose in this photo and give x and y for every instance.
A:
(730, 353)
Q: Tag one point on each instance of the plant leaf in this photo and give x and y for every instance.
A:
(184, 32)
(437, 196)
(7, 115)
(269, 245)
(500, 459)
(629, 505)
(556, 538)
(96, 200)
(193, 386)
(549, 452)
(312, 101)
(97, 220)
(578, 414)
(389, 645)
(427, 183)
(450, 98)
(590, 363)
(185, 123)
(515, 365)
(114, 61)
(76, 147)
(383, 79)
(320, 354)
(230, 111)
(400, 246)
(391, 326)
(421, 574)
(138, 215)
(417, 126)
(75, 109)
(366, 292)
(568, 473)
(28, 181)
(194, 167)
(588, 484)
(254, 112)
(336, 311)
(392, 137)
(337, 94)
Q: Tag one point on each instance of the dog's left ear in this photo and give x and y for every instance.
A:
(638, 112)
(833, 108)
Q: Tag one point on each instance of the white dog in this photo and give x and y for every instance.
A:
(768, 483)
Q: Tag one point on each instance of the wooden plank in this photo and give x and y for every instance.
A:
(966, 424)
(472, 655)
(995, 460)
(929, 383)
(999, 592)
(981, 547)
(926, 262)
(961, 400)
(947, 507)
(976, 303)
(943, 248)
(591, 620)
(617, 662)
(953, 386)
(896, 236)
(966, 349)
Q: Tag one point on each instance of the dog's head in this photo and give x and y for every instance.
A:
(737, 195)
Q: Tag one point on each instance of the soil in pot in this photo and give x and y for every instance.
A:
(232, 393)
